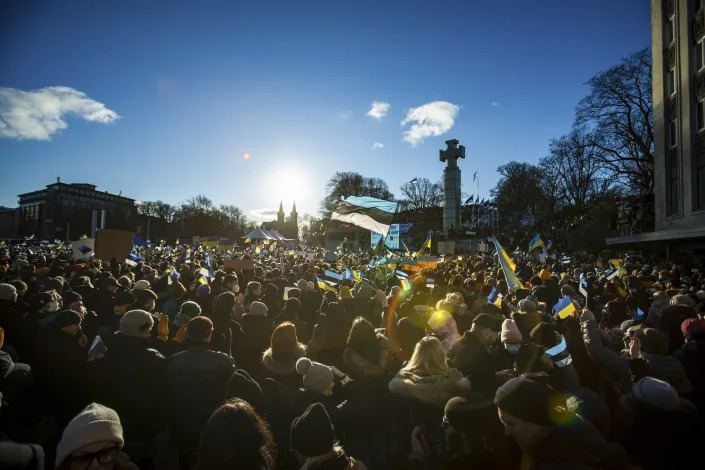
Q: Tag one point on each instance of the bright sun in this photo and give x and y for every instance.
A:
(290, 184)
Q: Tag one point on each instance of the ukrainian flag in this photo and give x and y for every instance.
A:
(512, 282)
(599, 263)
(564, 307)
(323, 285)
(83, 237)
(405, 284)
(535, 242)
(426, 244)
(248, 240)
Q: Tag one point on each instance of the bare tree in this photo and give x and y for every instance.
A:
(619, 111)
(348, 183)
(421, 194)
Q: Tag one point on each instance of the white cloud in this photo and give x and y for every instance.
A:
(377, 145)
(265, 214)
(430, 119)
(378, 110)
(495, 104)
(39, 114)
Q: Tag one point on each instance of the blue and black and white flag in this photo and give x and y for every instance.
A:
(367, 212)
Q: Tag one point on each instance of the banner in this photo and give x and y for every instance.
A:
(111, 244)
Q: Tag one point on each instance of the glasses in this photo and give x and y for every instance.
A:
(83, 461)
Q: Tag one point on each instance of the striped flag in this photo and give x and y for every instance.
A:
(367, 212)
(512, 281)
(564, 307)
(535, 242)
(405, 284)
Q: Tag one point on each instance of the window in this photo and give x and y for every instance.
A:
(671, 31)
(699, 56)
(671, 82)
(672, 183)
(700, 115)
(672, 134)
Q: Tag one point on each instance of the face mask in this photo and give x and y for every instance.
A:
(236, 288)
(53, 306)
(512, 348)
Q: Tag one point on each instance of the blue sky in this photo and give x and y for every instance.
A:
(198, 84)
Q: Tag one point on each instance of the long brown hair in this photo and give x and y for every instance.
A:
(235, 437)
(284, 342)
(363, 339)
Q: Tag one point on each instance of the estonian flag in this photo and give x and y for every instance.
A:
(535, 242)
(559, 354)
(470, 199)
(564, 307)
(474, 176)
(414, 181)
(367, 212)
(493, 296)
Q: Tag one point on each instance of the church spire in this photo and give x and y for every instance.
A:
(280, 214)
(293, 210)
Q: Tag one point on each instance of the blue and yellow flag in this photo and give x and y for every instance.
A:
(535, 242)
(426, 244)
(323, 285)
(83, 237)
(512, 281)
(405, 284)
(564, 307)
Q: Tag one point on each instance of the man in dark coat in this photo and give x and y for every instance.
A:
(470, 354)
(103, 301)
(198, 380)
(130, 379)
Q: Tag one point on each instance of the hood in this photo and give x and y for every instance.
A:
(434, 389)
(282, 367)
(359, 366)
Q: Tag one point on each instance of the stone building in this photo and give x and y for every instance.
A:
(288, 227)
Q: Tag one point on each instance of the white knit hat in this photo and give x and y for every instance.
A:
(96, 423)
(657, 393)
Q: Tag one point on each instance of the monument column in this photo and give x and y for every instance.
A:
(451, 184)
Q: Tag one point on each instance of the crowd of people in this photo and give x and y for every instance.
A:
(153, 364)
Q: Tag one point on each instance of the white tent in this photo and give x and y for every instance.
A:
(259, 234)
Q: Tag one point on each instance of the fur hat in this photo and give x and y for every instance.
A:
(142, 284)
(312, 433)
(317, 376)
(135, 322)
(96, 423)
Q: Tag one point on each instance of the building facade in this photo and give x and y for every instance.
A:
(67, 211)
(678, 72)
(287, 227)
(678, 89)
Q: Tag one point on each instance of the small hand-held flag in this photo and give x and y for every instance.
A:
(535, 242)
(564, 307)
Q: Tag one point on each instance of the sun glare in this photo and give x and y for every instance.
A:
(290, 184)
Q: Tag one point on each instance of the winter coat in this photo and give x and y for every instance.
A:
(472, 358)
(103, 303)
(692, 356)
(227, 334)
(11, 314)
(653, 318)
(527, 322)
(575, 446)
(283, 371)
(256, 332)
(357, 367)
(328, 340)
(130, 380)
(197, 380)
(662, 367)
(430, 389)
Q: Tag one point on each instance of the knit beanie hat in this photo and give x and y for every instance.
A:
(135, 322)
(243, 386)
(526, 305)
(96, 423)
(488, 321)
(653, 341)
(302, 285)
(122, 297)
(545, 274)
(67, 318)
(203, 290)
(510, 331)
(199, 328)
(39, 300)
(656, 393)
(259, 309)
(317, 376)
(544, 335)
(6, 291)
(693, 327)
(144, 295)
(188, 310)
(464, 413)
(312, 432)
(345, 293)
(70, 297)
(526, 399)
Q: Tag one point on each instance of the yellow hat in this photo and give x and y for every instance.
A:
(545, 274)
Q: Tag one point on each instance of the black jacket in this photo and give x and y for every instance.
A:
(130, 379)
(197, 380)
(472, 358)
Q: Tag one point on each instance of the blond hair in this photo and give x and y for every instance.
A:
(429, 357)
